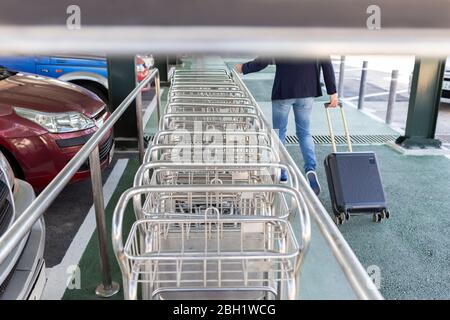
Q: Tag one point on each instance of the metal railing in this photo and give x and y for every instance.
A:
(357, 277)
(25, 222)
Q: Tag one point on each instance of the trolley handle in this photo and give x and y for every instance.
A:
(149, 153)
(330, 126)
(134, 192)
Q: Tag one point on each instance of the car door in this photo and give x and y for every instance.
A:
(19, 63)
(57, 66)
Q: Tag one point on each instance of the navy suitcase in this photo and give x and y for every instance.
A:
(354, 180)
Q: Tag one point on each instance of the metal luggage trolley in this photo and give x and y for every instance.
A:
(213, 121)
(168, 137)
(192, 78)
(202, 71)
(168, 173)
(206, 86)
(202, 81)
(204, 89)
(212, 219)
(206, 251)
(189, 153)
(183, 107)
(214, 100)
(184, 92)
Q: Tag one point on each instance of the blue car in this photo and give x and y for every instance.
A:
(90, 72)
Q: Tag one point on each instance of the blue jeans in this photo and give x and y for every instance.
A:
(302, 112)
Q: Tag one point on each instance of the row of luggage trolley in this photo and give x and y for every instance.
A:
(211, 218)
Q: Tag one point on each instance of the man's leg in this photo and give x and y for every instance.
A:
(280, 116)
(302, 112)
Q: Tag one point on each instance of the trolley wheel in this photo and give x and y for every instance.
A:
(377, 217)
(386, 213)
(347, 216)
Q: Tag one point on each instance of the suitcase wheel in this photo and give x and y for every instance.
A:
(340, 217)
(338, 220)
(385, 214)
(377, 216)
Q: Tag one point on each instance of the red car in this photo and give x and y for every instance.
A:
(43, 124)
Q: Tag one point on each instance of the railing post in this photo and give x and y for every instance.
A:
(392, 96)
(362, 86)
(107, 288)
(140, 127)
(341, 77)
(410, 83)
(158, 96)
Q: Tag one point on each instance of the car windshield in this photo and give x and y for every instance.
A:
(5, 73)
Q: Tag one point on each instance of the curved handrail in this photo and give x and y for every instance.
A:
(118, 215)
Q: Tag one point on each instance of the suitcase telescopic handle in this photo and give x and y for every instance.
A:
(330, 126)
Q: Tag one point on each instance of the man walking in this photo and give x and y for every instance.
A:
(296, 85)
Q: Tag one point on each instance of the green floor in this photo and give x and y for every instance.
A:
(411, 249)
(90, 264)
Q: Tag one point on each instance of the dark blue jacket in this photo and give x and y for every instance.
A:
(296, 79)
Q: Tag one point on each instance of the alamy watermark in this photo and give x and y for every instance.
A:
(373, 21)
(73, 21)
(74, 277)
(374, 273)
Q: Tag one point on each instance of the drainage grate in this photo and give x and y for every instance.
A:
(355, 139)
(340, 139)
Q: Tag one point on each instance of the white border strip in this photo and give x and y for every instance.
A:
(400, 131)
(150, 108)
(384, 93)
(59, 275)
(374, 117)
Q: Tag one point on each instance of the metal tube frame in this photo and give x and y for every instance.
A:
(362, 85)
(140, 126)
(108, 287)
(192, 99)
(345, 124)
(341, 77)
(392, 96)
(250, 135)
(149, 153)
(169, 105)
(228, 118)
(117, 222)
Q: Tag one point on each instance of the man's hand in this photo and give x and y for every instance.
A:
(238, 68)
(333, 100)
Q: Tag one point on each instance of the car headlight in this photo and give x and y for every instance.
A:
(57, 122)
(4, 164)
